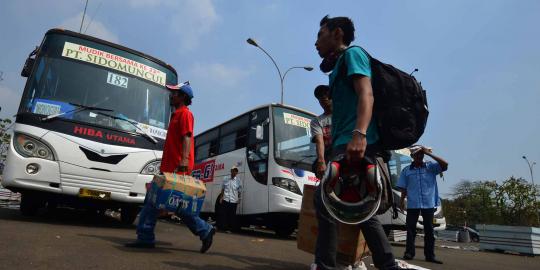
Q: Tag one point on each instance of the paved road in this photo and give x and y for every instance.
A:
(68, 239)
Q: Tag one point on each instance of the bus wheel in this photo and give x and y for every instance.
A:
(30, 203)
(128, 214)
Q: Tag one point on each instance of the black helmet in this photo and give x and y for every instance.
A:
(351, 192)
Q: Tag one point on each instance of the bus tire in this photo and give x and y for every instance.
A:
(30, 203)
(128, 214)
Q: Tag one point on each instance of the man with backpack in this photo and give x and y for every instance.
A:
(354, 132)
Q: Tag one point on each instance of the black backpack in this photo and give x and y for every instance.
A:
(400, 107)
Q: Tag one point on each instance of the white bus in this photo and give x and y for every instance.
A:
(400, 159)
(90, 127)
(271, 146)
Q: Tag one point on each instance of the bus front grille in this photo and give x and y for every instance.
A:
(111, 185)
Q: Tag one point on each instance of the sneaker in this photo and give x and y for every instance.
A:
(207, 242)
(139, 244)
(357, 266)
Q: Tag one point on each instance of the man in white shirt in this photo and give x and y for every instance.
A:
(231, 191)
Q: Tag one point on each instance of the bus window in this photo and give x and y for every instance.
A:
(257, 150)
(202, 152)
(396, 165)
(292, 138)
(233, 135)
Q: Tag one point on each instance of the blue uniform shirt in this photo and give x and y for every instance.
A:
(344, 98)
(421, 185)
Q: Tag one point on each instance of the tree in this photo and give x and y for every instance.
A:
(473, 202)
(5, 139)
(516, 202)
(511, 203)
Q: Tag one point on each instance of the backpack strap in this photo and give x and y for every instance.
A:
(343, 66)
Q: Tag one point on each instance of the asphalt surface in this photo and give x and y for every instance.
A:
(69, 239)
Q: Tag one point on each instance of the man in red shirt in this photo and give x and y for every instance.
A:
(178, 157)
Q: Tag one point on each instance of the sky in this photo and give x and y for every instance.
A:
(478, 60)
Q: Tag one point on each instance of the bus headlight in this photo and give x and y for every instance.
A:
(287, 184)
(152, 168)
(28, 146)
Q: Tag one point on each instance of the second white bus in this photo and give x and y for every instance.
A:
(271, 146)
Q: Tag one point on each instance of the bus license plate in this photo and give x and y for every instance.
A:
(94, 194)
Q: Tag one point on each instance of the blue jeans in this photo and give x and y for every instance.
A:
(148, 218)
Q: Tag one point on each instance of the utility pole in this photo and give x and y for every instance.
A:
(84, 13)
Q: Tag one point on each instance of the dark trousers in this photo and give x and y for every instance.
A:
(228, 215)
(429, 238)
(326, 247)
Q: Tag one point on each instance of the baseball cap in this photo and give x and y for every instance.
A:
(183, 87)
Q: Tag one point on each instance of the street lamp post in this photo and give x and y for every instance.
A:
(308, 68)
(530, 168)
(532, 181)
(281, 77)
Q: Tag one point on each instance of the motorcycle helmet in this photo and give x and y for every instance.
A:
(351, 192)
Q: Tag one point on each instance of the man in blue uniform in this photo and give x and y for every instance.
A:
(418, 184)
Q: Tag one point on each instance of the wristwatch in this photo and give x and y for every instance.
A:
(359, 132)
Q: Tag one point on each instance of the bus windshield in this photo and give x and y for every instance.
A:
(65, 78)
(400, 159)
(292, 138)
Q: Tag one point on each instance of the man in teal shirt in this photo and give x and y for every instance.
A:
(353, 132)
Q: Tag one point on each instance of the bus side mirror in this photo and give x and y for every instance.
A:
(28, 65)
(259, 132)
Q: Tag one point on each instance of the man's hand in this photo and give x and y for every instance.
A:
(402, 205)
(320, 169)
(426, 150)
(356, 148)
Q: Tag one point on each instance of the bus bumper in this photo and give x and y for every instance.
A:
(283, 201)
(67, 179)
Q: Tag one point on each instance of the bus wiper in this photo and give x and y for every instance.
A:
(79, 108)
(133, 124)
(295, 163)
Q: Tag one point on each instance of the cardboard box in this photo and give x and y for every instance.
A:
(351, 244)
(181, 194)
(183, 183)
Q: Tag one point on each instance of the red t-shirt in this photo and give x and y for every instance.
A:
(181, 125)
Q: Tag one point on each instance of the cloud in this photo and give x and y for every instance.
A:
(189, 20)
(193, 19)
(96, 28)
(145, 3)
(219, 74)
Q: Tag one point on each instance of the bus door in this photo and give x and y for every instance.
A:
(255, 194)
